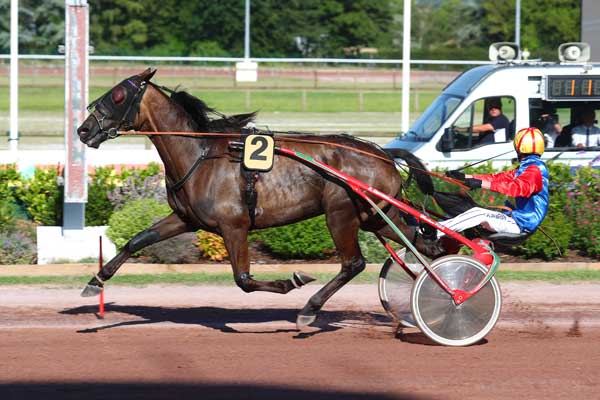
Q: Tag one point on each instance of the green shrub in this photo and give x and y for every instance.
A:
(559, 228)
(308, 239)
(99, 208)
(133, 218)
(10, 179)
(372, 249)
(7, 213)
(17, 243)
(583, 206)
(42, 197)
(134, 188)
(109, 190)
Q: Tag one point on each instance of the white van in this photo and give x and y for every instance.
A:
(531, 93)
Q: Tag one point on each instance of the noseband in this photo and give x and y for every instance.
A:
(124, 113)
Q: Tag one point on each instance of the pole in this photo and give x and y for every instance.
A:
(14, 78)
(406, 67)
(101, 298)
(76, 98)
(247, 32)
(518, 22)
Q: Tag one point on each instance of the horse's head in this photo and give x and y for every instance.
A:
(115, 110)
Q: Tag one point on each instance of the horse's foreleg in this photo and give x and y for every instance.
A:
(236, 242)
(343, 226)
(166, 228)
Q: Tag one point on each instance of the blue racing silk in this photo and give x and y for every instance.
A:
(528, 184)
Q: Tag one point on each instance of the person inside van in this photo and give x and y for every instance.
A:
(586, 134)
(528, 184)
(565, 139)
(493, 122)
(548, 124)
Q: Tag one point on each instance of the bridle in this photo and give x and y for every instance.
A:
(124, 112)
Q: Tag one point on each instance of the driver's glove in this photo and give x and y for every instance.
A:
(473, 183)
(455, 174)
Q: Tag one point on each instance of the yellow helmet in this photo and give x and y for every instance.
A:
(529, 141)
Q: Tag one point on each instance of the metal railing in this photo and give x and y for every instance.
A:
(260, 60)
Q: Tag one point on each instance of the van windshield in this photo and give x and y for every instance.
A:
(432, 119)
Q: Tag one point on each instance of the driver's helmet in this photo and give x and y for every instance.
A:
(529, 141)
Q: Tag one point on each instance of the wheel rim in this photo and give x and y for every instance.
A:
(395, 286)
(440, 318)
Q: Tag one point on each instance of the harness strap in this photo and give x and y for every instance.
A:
(250, 194)
(179, 184)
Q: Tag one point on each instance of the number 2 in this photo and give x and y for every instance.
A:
(256, 154)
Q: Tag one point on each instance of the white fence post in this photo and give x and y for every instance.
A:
(14, 79)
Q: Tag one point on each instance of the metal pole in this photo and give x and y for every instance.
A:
(14, 77)
(518, 23)
(76, 98)
(406, 67)
(247, 32)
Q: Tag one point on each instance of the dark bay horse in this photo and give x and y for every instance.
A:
(206, 187)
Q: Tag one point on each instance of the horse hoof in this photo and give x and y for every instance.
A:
(91, 290)
(301, 278)
(303, 321)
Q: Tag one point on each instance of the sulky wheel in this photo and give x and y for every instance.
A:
(395, 286)
(440, 318)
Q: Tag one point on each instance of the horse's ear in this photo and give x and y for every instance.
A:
(147, 74)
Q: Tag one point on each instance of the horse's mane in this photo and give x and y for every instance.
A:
(200, 114)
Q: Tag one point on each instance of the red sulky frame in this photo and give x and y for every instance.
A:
(480, 252)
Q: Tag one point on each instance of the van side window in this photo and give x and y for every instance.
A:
(580, 129)
(485, 122)
(546, 116)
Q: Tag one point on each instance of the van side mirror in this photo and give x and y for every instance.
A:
(447, 142)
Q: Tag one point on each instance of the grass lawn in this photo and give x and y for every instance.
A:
(51, 99)
(225, 279)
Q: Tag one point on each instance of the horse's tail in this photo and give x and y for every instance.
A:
(416, 169)
(451, 203)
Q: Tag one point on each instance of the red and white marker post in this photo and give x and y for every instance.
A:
(101, 298)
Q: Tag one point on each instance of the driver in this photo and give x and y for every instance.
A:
(528, 184)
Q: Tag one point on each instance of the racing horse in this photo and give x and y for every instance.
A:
(206, 186)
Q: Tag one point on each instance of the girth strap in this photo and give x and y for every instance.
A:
(250, 194)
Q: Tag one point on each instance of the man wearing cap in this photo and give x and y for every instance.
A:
(494, 121)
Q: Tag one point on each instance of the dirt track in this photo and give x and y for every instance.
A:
(217, 342)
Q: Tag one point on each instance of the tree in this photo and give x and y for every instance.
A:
(41, 26)
(544, 24)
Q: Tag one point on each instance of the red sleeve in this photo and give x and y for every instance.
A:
(524, 185)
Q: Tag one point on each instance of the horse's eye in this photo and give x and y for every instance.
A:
(118, 94)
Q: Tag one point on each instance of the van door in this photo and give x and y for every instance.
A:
(485, 126)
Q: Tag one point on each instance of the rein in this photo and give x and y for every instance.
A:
(297, 140)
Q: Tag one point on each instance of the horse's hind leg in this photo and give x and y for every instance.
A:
(343, 225)
(236, 242)
(166, 228)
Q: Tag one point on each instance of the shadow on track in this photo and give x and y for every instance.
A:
(168, 391)
(221, 318)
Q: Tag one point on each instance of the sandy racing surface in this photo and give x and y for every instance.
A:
(218, 342)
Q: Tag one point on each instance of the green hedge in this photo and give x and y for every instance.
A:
(308, 239)
(133, 218)
(573, 220)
